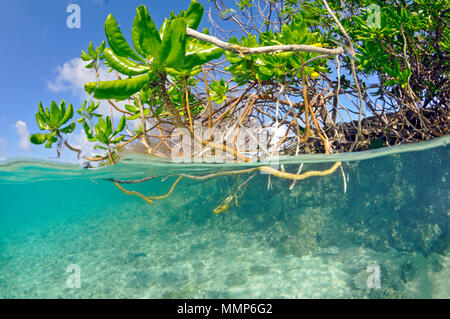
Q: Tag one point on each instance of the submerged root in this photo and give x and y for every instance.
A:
(133, 193)
(266, 169)
(297, 177)
(148, 199)
(205, 177)
(130, 181)
(271, 171)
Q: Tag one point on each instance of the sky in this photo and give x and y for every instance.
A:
(40, 61)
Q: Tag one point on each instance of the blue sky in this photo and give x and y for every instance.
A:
(37, 59)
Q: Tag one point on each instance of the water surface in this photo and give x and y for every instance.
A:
(316, 240)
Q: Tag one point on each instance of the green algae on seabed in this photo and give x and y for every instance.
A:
(309, 242)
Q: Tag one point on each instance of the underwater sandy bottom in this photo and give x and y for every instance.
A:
(135, 251)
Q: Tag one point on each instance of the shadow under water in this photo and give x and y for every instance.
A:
(384, 235)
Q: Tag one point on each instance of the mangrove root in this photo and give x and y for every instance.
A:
(266, 169)
(148, 199)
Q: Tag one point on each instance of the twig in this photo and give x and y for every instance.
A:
(145, 139)
(208, 97)
(186, 98)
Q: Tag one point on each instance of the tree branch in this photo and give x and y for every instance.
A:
(267, 49)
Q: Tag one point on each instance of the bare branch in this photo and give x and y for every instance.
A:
(267, 49)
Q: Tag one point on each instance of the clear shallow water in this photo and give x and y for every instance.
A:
(309, 242)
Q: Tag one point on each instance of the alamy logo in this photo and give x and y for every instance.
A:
(206, 145)
(74, 19)
(374, 18)
(374, 279)
(74, 279)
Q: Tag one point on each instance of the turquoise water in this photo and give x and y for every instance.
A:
(387, 228)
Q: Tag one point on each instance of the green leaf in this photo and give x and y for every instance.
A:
(201, 57)
(38, 139)
(42, 112)
(218, 91)
(194, 15)
(166, 44)
(117, 140)
(124, 65)
(93, 106)
(55, 115)
(101, 48)
(121, 125)
(47, 114)
(67, 115)
(88, 132)
(117, 41)
(62, 108)
(134, 117)
(390, 82)
(90, 65)
(50, 140)
(85, 57)
(108, 129)
(131, 108)
(68, 129)
(163, 28)
(145, 35)
(103, 138)
(266, 71)
(40, 122)
(177, 44)
(117, 89)
(91, 50)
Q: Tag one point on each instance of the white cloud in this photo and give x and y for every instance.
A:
(71, 77)
(22, 130)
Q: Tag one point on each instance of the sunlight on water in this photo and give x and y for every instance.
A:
(388, 230)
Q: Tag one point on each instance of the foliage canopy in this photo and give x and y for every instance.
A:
(333, 76)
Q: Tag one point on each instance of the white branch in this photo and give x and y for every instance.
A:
(268, 49)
